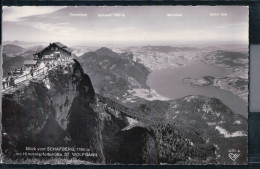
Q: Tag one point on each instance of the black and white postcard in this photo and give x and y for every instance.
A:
(116, 85)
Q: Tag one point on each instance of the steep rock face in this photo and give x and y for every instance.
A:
(25, 114)
(126, 140)
(54, 110)
(137, 146)
(84, 122)
(61, 109)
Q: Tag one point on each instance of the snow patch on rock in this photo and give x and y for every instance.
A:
(131, 123)
(228, 135)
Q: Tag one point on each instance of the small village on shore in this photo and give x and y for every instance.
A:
(54, 55)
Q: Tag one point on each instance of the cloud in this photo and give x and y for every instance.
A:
(58, 28)
(15, 13)
(138, 24)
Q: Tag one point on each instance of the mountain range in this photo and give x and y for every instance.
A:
(14, 56)
(86, 107)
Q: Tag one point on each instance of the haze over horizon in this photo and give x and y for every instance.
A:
(127, 25)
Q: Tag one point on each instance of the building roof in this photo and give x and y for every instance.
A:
(63, 47)
(30, 62)
(67, 50)
(60, 45)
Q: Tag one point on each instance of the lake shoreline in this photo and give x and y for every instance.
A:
(162, 82)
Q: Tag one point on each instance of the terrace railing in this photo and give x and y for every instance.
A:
(25, 77)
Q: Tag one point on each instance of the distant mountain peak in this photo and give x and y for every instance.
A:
(24, 44)
(11, 45)
(105, 51)
(11, 48)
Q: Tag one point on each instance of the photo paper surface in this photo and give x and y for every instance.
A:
(116, 85)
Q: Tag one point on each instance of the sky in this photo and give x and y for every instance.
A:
(123, 24)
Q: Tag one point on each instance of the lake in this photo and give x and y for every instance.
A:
(169, 83)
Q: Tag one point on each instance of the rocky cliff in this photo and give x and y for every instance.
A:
(55, 110)
(62, 109)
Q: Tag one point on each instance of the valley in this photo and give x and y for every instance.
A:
(109, 103)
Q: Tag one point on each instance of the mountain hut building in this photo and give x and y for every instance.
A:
(54, 51)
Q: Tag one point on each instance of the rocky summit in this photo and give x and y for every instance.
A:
(57, 110)
(64, 109)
